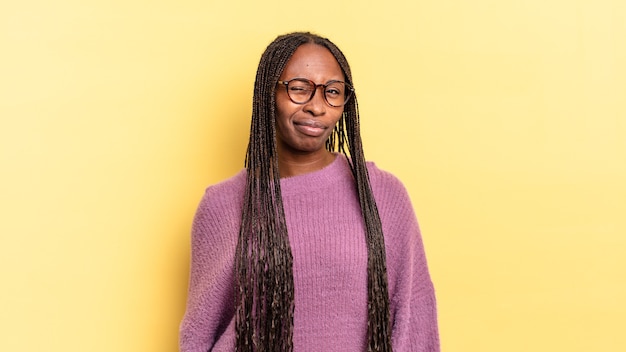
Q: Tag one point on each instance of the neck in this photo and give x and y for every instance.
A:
(294, 165)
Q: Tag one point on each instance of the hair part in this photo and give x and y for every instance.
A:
(264, 262)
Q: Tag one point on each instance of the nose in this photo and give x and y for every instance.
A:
(317, 105)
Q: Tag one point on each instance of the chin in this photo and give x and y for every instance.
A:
(306, 148)
(314, 147)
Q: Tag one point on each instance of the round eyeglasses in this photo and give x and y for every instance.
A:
(302, 90)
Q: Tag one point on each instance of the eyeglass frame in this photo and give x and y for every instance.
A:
(349, 91)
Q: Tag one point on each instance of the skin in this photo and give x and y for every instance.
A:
(302, 129)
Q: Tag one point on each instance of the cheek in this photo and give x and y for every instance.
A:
(338, 116)
(282, 118)
(284, 109)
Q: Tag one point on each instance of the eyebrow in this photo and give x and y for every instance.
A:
(308, 79)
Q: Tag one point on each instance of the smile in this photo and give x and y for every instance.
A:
(310, 128)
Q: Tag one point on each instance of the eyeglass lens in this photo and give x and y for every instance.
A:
(302, 90)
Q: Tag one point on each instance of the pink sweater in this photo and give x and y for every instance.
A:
(326, 234)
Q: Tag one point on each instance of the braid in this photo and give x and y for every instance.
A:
(264, 262)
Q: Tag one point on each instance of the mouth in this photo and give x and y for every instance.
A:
(310, 128)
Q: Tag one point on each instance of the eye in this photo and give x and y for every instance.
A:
(333, 91)
(299, 87)
(299, 91)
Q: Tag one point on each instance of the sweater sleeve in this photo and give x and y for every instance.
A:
(210, 300)
(412, 296)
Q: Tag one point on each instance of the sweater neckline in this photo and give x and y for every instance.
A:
(334, 172)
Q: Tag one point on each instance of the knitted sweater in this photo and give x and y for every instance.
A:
(327, 238)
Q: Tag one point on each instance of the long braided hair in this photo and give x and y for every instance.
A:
(264, 262)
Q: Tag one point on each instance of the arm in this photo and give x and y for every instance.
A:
(412, 296)
(415, 312)
(210, 300)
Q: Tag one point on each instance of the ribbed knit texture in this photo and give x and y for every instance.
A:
(327, 237)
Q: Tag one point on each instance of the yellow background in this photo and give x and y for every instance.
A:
(505, 119)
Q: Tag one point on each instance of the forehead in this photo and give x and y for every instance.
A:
(314, 62)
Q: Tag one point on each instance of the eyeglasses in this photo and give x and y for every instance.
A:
(302, 90)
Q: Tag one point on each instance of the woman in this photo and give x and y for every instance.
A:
(309, 248)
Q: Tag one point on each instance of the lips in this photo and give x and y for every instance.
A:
(310, 128)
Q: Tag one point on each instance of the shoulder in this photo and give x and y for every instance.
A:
(384, 183)
(225, 192)
(392, 199)
(220, 207)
